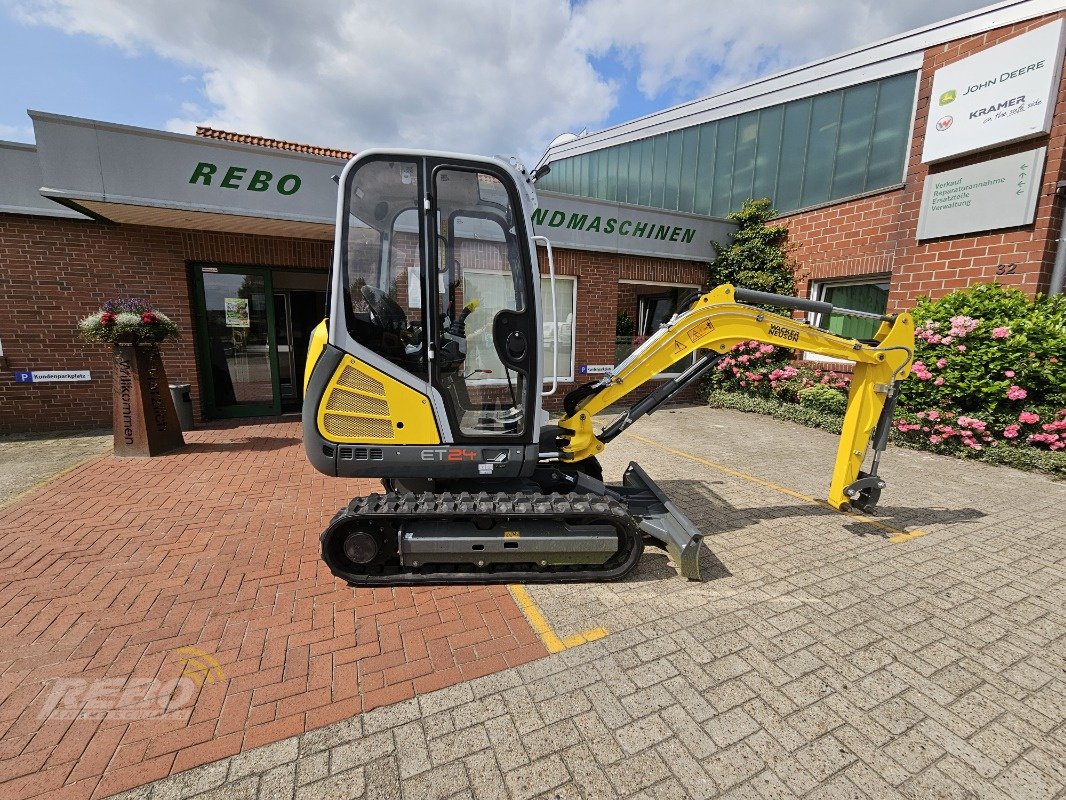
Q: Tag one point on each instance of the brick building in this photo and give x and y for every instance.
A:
(840, 148)
(98, 211)
(891, 164)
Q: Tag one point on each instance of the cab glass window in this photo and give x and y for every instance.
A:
(385, 265)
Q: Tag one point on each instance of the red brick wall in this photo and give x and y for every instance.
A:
(56, 271)
(598, 275)
(878, 234)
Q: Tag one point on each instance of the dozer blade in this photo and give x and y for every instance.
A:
(662, 520)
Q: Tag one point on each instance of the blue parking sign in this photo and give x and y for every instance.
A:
(23, 376)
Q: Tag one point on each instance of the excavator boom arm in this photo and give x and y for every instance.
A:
(718, 321)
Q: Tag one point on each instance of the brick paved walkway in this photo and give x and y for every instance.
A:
(107, 573)
(29, 460)
(826, 657)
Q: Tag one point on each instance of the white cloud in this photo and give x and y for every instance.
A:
(16, 133)
(472, 75)
(690, 48)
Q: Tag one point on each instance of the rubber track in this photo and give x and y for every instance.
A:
(394, 509)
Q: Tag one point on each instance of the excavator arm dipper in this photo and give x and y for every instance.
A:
(720, 319)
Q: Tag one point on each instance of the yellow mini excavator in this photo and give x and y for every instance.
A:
(430, 370)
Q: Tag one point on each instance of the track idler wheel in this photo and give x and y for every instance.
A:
(356, 545)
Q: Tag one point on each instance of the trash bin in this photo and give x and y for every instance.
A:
(179, 392)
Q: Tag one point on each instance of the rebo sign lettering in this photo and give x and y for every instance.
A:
(234, 177)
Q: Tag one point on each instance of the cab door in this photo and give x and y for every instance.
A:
(486, 347)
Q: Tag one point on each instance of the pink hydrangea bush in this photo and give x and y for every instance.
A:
(769, 371)
(989, 375)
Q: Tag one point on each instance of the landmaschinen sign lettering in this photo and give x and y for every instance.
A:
(589, 224)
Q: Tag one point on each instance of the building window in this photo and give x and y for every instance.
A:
(866, 294)
(801, 153)
(488, 286)
(642, 310)
(565, 302)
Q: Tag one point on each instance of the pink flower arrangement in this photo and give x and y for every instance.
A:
(1028, 417)
(1016, 393)
(1000, 333)
(1011, 431)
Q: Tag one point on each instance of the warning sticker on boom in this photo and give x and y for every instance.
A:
(700, 330)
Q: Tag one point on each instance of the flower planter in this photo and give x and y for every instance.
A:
(146, 423)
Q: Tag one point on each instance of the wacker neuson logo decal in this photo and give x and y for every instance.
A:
(623, 227)
(261, 180)
(784, 333)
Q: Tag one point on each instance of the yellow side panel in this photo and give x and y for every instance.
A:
(363, 405)
(319, 337)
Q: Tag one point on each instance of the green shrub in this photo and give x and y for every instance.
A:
(757, 255)
(823, 398)
(778, 409)
(988, 350)
(768, 371)
(1019, 457)
(989, 379)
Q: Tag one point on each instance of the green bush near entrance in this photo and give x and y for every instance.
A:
(757, 257)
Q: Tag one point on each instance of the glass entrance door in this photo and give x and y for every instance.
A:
(238, 349)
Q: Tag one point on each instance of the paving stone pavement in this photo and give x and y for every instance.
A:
(28, 460)
(819, 659)
(159, 614)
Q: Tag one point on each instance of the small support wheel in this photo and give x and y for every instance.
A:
(866, 501)
(865, 492)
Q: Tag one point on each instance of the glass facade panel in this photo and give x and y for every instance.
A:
(888, 149)
(633, 192)
(689, 154)
(612, 173)
(601, 174)
(673, 170)
(647, 153)
(722, 180)
(801, 153)
(705, 167)
(768, 152)
(821, 148)
(853, 149)
(744, 158)
(794, 132)
(658, 171)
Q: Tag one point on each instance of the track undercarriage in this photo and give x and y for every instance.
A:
(571, 528)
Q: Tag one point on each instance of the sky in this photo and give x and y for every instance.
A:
(482, 76)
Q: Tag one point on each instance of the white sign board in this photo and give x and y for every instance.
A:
(1000, 193)
(583, 223)
(1003, 94)
(52, 376)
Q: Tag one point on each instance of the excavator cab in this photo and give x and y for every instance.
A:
(429, 371)
(433, 356)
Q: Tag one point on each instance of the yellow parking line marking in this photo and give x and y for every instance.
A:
(896, 537)
(544, 630)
